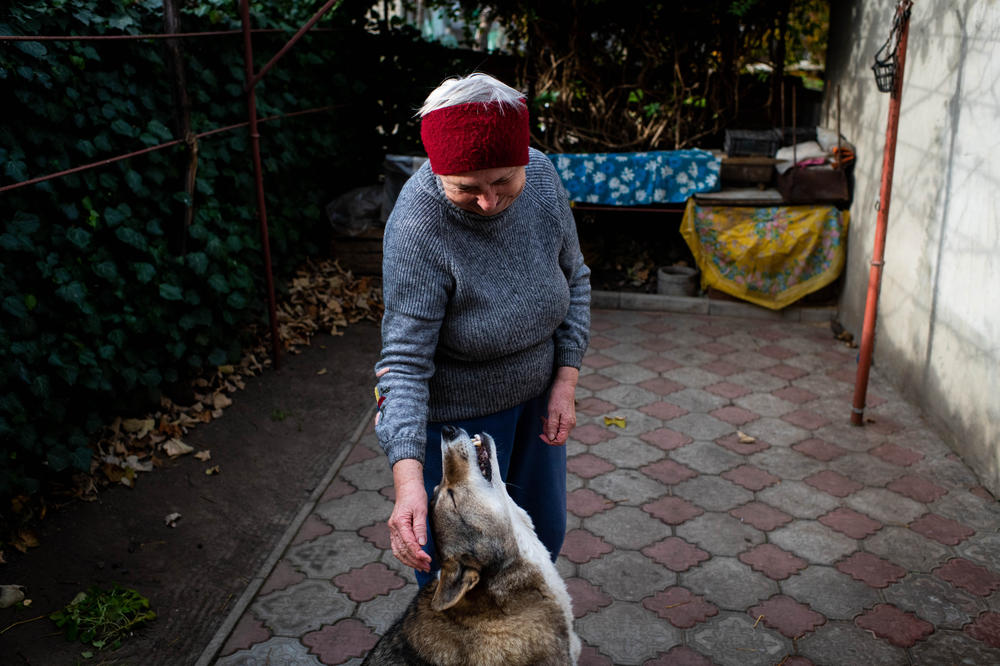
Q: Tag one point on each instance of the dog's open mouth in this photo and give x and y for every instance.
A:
(483, 457)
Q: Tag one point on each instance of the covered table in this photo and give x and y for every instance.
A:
(637, 179)
(771, 256)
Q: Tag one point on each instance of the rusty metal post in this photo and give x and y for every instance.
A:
(881, 225)
(259, 181)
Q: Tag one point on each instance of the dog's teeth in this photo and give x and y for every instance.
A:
(477, 441)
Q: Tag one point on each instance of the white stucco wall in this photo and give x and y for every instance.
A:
(938, 332)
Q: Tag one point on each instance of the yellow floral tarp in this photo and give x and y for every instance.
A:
(771, 256)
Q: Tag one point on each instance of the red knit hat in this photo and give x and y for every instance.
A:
(474, 136)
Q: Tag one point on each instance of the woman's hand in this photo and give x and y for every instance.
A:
(408, 522)
(562, 407)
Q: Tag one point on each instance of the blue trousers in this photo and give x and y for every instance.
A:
(534, 471)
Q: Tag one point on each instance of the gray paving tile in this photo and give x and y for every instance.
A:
(302, 608)
(934, 600)
(628, 352)
(693, 377)
(627, 633)
(765, 404)
(636, 423)
(627, 527)
(830, 592)
(962, 506)
(689, 358)
(946, 472)
(628, 452)
(867, 469)
(907, 549)
(627, 373)
(627, 486)
(885, 506)
(278, 650)
(786, 463)
(697, 400)
(844, 644)
(713, 493)
(701, 426)
(798, 499)
(720, 534)
(731, 639)
(751, 360)
(382, 611)
(627, 396)
(813, 541)
(758, 381)
(728, 583)
(707, 457)
(954, 648)
(332, 554)
(357, 510)
(776, 432)
(370, 474)
(983, 548)
(628, 575)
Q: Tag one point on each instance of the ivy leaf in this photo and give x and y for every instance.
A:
(171, 292)
(134, 180)
(34, 49)
(219, 283)
(145, 272)
(107, 270)
(122, 127)
(78, 237)
(131, 237)
(159, 130)
(74, 292)
(14, 306)
(198, 262)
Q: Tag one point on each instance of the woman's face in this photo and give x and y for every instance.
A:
(484, 192)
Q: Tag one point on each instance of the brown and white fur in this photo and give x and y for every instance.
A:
(498, 599)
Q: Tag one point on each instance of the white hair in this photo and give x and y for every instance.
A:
(476, 87)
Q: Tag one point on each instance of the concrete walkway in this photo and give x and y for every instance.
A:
(731, 516)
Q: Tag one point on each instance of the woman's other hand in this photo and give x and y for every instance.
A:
(562, 407)
(408, 522)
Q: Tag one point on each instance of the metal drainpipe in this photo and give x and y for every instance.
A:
(882, 222)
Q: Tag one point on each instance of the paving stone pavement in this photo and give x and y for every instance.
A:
(736, 518)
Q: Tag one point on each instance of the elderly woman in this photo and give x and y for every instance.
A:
(487, 312)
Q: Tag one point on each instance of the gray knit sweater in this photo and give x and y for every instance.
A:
(479, 311)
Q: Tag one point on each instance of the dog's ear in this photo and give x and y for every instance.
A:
(455, 580)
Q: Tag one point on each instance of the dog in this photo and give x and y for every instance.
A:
(498, 599)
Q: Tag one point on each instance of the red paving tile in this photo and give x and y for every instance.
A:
(599, 342)
(969, 576)
(794, 394)
(673, 510)
(666, 439)
(598, 361)
(337, 643)
(587, 465)
(721, 368)
(986, 628)
(589, 656)
(850, 522)
(982, 493)
(313, 527)
(339, 488)
(733, 415)
(717, 348)
(581, 546)
(834, 483)
(586, 596)
(680, 655)
(736, 445)
(663, 410)
(248, 632)
(882, 425)
(750, 477)
(592, 434)
(657, 326)
(900, 628)
(787, 372)
(778, 352)
(772, 561)
(377, 534)
(368, 582)
(668, 472)
(762, 516)
(675, 553)
(584, 502)
(787, 616)
(679, 607)
(819, 449)
(941, 529)
(661, 386)
(727, 390)
(658, 363)
(595, 406)
(283, 575)
(657, 344)
(359, 454)
(870, 569)
(897, 455)
(596, 382)
(806, 419)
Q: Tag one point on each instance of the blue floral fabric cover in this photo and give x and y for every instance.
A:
(637, 179)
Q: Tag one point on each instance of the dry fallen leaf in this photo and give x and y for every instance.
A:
(175, 447)
(203, 455)
(212, 471)
(221, 401)
(321, 372)
(171, 519)
(745, 438)
(614, 420)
